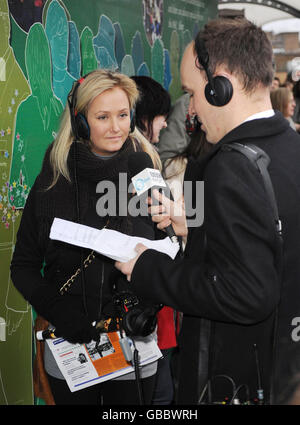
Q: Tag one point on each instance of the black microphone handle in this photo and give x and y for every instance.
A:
(171, 233)
(166, 191)
(169, 229)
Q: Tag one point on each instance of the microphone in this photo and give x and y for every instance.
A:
(145, 177)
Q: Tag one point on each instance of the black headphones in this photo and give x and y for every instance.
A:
(140, 321)
(79, 124)
(137, 319)
(218, 90)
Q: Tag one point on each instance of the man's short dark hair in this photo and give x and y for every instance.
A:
(242, 47)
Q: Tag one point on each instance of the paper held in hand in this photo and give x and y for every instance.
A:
(112, 244)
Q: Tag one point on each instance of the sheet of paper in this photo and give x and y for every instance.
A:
(112, 244)
(84, 365)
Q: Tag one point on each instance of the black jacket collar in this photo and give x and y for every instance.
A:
(250, 132)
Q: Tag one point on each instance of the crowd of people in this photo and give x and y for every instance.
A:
(226, 303)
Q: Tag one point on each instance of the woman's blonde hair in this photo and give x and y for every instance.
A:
(91, 86)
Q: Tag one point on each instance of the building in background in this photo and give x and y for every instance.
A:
(286, 45)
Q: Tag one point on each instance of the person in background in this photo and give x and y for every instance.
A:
(94, 142)
(174, 139)
(289, 82)
(174, 168)
(152, 108)
(283, 100)
(181, 166)
(151, 112)
(275, 83)
(177, 169)
(296, 93)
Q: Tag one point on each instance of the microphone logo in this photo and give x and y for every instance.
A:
(140, 184)
(147, 179)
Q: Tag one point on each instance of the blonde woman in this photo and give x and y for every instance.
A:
(94, 142)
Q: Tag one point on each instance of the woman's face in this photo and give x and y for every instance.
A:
(158, 124)
(290, 106)
(109, 120)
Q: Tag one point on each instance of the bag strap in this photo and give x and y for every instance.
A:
(65, 287)
(89, 259)
(261, 161)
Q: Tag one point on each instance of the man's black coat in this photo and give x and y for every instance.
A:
(229, 285)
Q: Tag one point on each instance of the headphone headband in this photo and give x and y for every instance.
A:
(79, 124)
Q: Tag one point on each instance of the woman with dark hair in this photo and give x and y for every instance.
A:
(152, 107)
(198, 145)
(181, 166)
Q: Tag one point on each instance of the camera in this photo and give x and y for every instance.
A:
(137, 319)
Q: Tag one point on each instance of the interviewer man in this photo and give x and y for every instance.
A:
(238, 302)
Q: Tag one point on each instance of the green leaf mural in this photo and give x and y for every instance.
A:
(15, 369)
(88, 60)
(39, 61)
(158, 61)
(33, 136)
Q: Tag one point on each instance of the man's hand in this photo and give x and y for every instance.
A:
(127, 268)
(170, 212)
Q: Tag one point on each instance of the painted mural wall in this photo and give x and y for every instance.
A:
(44, 47)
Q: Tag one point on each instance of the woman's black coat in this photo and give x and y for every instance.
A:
(88, 299)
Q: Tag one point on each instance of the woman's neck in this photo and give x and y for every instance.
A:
(105, 156)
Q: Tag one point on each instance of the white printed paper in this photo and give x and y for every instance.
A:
(84, 365)
(112, 244)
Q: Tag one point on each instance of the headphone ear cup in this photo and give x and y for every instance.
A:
(222, 92)
(82, 127)
(129, 321)
(137, 322)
